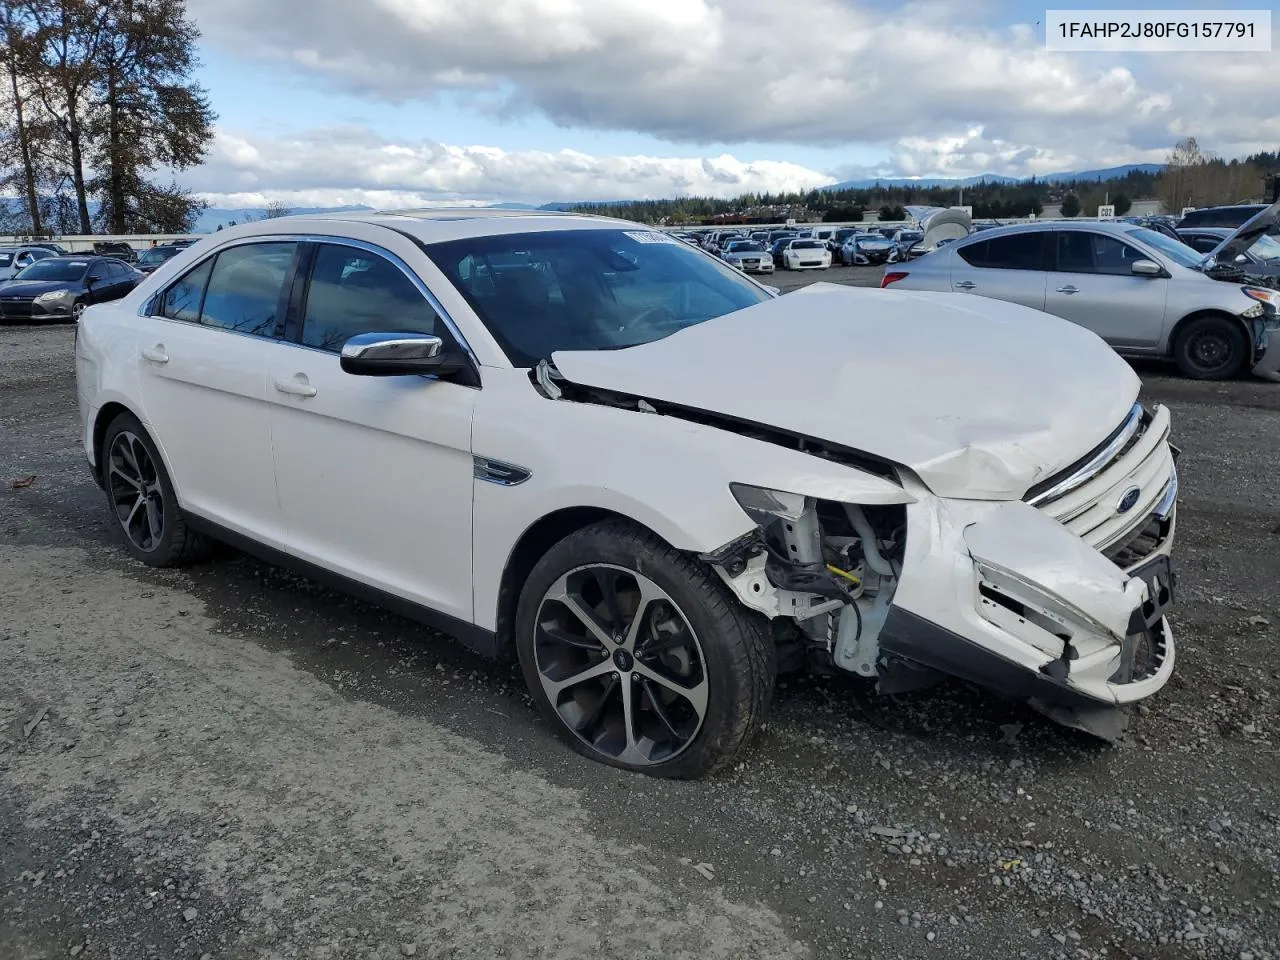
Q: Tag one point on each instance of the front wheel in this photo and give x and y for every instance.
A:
(1211, 348)
(639, 656)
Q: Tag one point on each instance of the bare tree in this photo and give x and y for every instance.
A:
(1177, 184)
(275, 208)
(61, 63)
(14, 37)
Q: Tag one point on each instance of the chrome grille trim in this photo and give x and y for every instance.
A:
(1144, 461)
(1096, 463)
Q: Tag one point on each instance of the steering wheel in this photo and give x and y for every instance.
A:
(659, 316)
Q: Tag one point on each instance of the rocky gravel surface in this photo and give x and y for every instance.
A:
(229, 761)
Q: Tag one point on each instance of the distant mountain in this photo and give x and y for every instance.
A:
(867, 184)
(1105, 174)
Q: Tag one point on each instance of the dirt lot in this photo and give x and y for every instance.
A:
(231, 762)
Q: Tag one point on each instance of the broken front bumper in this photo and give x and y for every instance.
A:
(1007, 597)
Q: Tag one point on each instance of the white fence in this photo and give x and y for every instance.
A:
(82, 243)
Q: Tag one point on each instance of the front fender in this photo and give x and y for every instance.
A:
(669, 474)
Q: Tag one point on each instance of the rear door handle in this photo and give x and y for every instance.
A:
(965, 285)
(155, 354)
(295, 387)
(1068, 289)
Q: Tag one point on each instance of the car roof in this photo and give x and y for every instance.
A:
(1215, 231)
(1117, 228)
(435, 225)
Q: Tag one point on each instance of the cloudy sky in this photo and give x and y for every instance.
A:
(408, 102)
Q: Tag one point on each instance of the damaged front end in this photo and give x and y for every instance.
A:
(1059, 600)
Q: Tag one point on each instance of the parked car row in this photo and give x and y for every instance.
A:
(1207, 298)
(53, 287)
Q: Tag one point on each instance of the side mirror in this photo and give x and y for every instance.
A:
(1241, 258)
(93, 278)
(1146, 268)
(395, 355)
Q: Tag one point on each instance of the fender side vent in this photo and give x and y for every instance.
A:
(495, 471)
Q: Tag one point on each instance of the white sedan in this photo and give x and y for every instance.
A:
(806, 254)
(578, 442)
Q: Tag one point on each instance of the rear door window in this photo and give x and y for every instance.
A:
(244, 290)
(1014, 251)
(182, 300)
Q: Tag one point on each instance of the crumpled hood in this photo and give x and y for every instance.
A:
(1265, 221)
(981, 398)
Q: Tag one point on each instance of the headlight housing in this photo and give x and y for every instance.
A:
(52, 295)
(764, 505)
(1268, 304)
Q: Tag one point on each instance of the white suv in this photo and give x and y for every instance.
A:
(587, 443)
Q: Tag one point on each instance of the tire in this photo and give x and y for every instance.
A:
(1211, 348)
(693, 635)
(140, 496)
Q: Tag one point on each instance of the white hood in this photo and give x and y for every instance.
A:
(981, 398)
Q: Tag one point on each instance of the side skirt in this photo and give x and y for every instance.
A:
(478, 639)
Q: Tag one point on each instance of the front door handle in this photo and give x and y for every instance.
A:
(965, 285)
(1068, 289)
(155, 354)
(295, 387)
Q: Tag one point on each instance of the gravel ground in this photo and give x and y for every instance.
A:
(229, 761)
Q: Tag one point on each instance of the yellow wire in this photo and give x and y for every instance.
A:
(844, 573)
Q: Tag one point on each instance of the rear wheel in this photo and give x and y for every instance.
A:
(639, 656)
(141, 500)
(1211, 348)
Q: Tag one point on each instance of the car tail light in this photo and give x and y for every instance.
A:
(893, 276)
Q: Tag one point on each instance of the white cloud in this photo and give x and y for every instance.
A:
(918, 78)
(352, 166)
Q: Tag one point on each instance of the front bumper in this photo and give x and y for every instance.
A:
(1007, 597)
(28, 311)
(1268, 364)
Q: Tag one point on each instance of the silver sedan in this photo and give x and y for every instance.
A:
(1144, 293)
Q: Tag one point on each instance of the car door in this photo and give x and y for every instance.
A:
(1010, 267)
(1094, 285)
(113, 283)
(375, 473)
(204, 345)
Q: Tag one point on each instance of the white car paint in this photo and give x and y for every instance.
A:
(946, 407)
(1028, 421)
(805, 257)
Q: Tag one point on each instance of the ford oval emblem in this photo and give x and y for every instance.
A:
(1129, 500)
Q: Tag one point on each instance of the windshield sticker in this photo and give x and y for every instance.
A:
(649, 236)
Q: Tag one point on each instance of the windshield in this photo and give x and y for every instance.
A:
(807, 244)
(157, 254)
(911, 235)
(588, 289)
(1175, 250)
(1266, 247)
(53, 269)
(745, 246)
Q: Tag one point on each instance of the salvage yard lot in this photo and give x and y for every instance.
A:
(230, 761)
